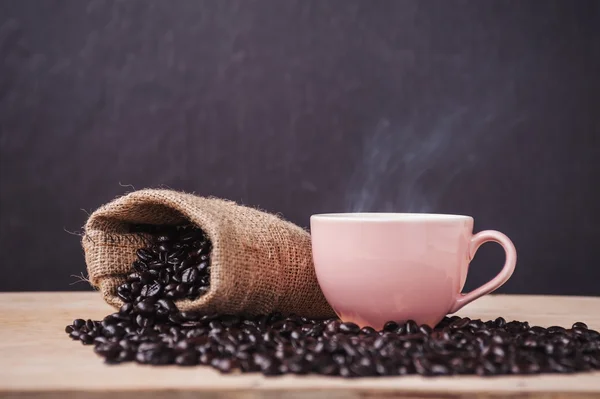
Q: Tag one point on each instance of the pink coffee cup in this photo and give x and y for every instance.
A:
(376, 267)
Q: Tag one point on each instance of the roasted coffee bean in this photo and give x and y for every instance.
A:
(298, 366)
(202, 266)
(345, 372)
(139, 267)
(348, 327)
(593, 360)
(154, 274)
(556, 330)
(425, 329)
(537, 330)
(151, 290)
(146, 306)
(126, 308)
(483, 368)
(164, 278)
(170, 287)
(338, 358)
(113, 331)
(186, 359)
(125, 356)
(89, 324)
(87, 339)
(401, 330)
(366, 330)
(579, 331)
(460, 323)
(161, 357)
(100, 340)
(295, 334)
(144, 321)
(144, 255)
(225, 365)
(476, 324)
(167, 304)
(333, 327)
(186, 263)
(188, 276)
(124, 293)
(580, 325)
(136, 287)
(411, 327)
(363, 367)
(390, 326)
(107, 350)
(156, 265)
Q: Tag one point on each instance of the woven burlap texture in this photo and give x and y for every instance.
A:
(259, 262)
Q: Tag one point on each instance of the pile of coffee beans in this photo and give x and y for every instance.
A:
(149, 329)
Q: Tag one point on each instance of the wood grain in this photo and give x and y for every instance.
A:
(37, 359)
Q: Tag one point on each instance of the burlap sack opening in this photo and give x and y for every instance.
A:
(259, 262)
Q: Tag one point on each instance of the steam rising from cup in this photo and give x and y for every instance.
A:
(409, 167)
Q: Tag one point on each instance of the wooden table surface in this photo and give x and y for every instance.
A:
(37, 359)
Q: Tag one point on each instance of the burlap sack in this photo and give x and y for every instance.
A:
(259, 262)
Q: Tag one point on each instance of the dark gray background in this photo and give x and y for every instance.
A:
(487, 108)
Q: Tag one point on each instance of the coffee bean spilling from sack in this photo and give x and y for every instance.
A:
(175, 266)
(149, 329)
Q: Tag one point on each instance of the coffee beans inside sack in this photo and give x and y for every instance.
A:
(164, 315)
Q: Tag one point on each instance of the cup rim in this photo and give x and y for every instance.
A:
(387, 217)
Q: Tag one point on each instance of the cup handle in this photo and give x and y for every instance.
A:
(509, 266)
